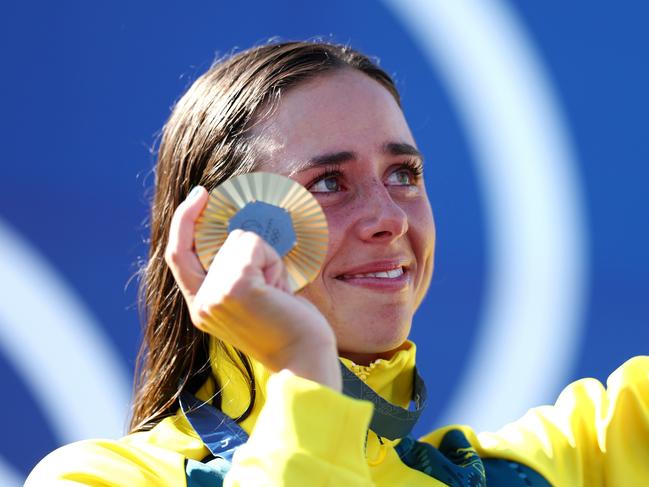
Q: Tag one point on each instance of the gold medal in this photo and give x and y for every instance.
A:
(281, 211)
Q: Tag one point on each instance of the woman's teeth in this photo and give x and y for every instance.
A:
(384, 275)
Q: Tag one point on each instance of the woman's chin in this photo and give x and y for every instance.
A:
(377, 342)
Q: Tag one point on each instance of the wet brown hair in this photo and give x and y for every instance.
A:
(206, 141)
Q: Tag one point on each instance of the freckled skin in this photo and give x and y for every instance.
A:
(370, 217)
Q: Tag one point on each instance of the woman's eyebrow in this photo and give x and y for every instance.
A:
(332, 158)
(402, 149)
(328, 159)
(335, 158)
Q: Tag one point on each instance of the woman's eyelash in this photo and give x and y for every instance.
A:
(327, 172)
(415, 167)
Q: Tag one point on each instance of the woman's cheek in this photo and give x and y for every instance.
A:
(423, 241)
(339, 220)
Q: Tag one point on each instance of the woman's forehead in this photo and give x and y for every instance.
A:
(345, 111)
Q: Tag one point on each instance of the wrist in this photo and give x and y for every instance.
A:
(318, 363)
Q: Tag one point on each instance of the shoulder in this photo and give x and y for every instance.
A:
(634, 373)
(627, 387)
(102, 462)
(155, 457)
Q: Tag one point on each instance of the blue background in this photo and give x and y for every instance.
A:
(87, 86)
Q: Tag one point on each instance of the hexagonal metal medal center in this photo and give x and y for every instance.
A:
(270, 222)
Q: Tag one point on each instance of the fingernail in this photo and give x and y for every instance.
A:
(196, 190)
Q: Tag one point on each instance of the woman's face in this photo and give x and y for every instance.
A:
(343, 137)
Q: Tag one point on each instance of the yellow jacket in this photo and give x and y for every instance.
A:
(305, 434)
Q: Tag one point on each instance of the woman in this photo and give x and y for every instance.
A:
(234, 343)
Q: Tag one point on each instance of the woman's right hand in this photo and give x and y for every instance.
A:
(244, 300)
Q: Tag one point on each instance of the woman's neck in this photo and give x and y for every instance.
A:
(362, 358)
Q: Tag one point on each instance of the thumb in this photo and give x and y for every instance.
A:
(179, 254)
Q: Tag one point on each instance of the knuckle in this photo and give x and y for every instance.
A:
(241, 289)
(171, 255)
(248, 269)
(251, 239)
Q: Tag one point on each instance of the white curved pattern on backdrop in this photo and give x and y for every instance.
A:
(530, 326)
(9, 476)
(58, 350)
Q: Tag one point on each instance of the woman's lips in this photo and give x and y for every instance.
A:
(390, 274)
(383, 276)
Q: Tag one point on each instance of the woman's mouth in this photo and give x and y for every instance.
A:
(391, 274)
(392, 279)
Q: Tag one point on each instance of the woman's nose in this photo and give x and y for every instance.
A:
(381, 219)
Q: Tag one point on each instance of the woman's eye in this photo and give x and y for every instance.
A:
(403, 177)
(328, 184)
